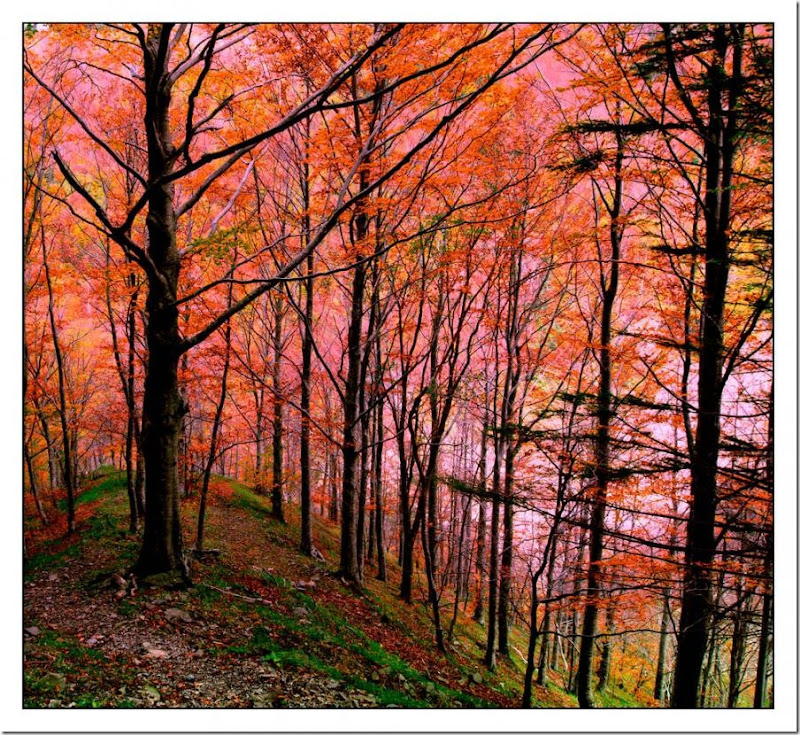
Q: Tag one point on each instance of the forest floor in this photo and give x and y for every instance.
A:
(261, 626)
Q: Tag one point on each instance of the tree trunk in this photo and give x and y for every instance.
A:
(348, 557)
(491, 631)
(277, 412)
(527, 693)
(215, 427)
(507, 555)
(720, 146)
(306, 539)
(378, 486)
(480, 554)
(67, 471)
(163, 405)
(763, 652)
(738, 643)
(34, 490)
(602, 442)
(604, 670)
(663, 638)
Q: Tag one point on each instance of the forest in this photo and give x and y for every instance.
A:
(398, 365)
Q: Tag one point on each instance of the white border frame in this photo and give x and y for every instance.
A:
(783, 718)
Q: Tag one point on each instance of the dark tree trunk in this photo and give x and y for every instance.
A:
(306, 538)
(67, 470)
(763, 652)
(719, 134)
(33, 486)
(277, 411)
(480, 554)
(491, 631)
(378, 485)
(163, 405)
(738, 642)
(602, 442)
(548, 639)
(527, 692)
(507, 555)
(333, 508)
(348, 557)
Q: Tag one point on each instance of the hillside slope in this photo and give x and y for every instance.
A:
(262, 625)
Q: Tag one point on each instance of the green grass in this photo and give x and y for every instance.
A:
(52, 653)
(289, 642)
(112, 481)
(106, 528)
(613, 696)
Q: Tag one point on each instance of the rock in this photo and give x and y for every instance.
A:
(174, 614)
(53, 681)
(300, 612)
(32, 631)
(475, 677)
(156, 653)
(264, 700)
(150, 693)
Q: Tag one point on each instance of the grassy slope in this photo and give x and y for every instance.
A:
(370, 642)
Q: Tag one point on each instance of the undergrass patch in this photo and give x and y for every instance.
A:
(111, 481)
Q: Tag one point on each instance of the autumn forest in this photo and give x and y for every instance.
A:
(398, 365)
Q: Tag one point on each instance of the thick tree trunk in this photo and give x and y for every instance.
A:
(348, 556)
(163, 405)
(720, 147)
